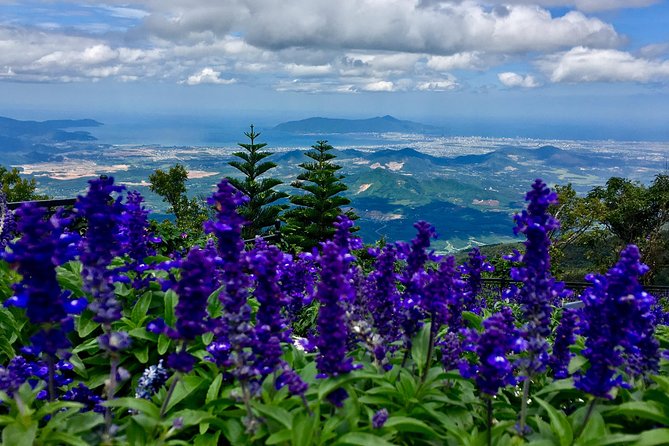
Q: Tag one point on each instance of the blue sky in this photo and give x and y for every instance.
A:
(579, 63)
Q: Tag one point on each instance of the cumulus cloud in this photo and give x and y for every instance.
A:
(315, 45)
(208, 76)
(512, 80)
(582, 5)
(583, 64)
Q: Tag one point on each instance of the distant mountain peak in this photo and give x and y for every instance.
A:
(383, 124)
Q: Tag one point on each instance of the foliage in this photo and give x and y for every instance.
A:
(610, 217)
(16, 188)
(261, 211)
(210, 358)
(316, 208)
(171, 185)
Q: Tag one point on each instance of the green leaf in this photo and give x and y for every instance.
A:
(214, 389)
(207, 439)
(304, 430)
(83, 422)
(139, 404)
(63, 438)
(163, 344)
(559, 423)
(653, 437)
(408, 424)
(141, 308)
(85, 324)
(278, 414)
(170, 302)
(362, 439)
(475, 321)
(420, 347)
(185, 387)
(142, 354)
(282, 436)
(18, 434)
(646, 410)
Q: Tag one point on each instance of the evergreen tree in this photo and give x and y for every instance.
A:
(316, 208)
(261, 210)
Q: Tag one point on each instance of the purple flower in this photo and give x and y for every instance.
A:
(334, 290)
(234, 335)
(134, 229)
(413, 279)
(499, 338)
(34, 256)
(619, 326)
(297, 279)
(383, 299)
(443, 296)
(15, 374)
(197, 282)
(291, 379)
(101, 244)
(6, 221)
(82, 394)
(271, 328)
(565, 336)
(379, 419)
(473, 269)
(539, 290)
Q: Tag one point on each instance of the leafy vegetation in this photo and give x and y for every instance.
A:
(16, 188)
(103, 342)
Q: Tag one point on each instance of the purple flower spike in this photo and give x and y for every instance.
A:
(35, 256)
(565, 336)
(473, 269)
(379, 419)
(498, 339)
(334, 290)
(6, 221)
(619, 326)
(101, 244)
(540, 290)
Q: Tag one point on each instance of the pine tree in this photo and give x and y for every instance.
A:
(316, 208)
(260, 212)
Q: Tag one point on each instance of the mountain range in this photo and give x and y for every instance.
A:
(382, 124)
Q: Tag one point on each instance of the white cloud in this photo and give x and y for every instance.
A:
(437, 85)
(468, 60)
(379, 86)
(510, 79)
(208, 76)
(583, 5)
(307, 70)
(582, 64)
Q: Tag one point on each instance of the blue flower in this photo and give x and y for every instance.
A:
(152, 379)
(619, 326)
(540, 290)
(6, 221)
(499, 339)
(33, 256)
(379, 419)
(565, 336)
(334, 290)
(476, 265)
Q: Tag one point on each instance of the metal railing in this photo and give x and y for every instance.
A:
(44, 203)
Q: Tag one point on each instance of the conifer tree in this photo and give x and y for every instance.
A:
(316, 208)
(261, 210)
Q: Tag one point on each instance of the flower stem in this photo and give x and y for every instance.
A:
(489, 408)
(111, 390)
(523, 406)
(588, 414)
(170, 391)
(430, 350)
(52, 372)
